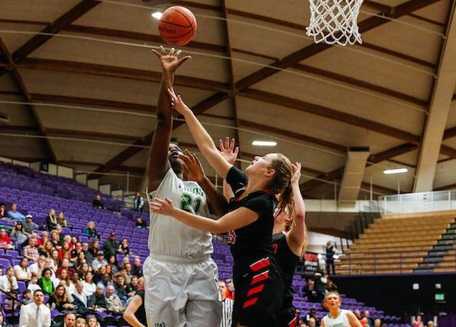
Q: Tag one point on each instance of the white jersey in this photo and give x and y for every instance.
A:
(168, 236)
(340, 321)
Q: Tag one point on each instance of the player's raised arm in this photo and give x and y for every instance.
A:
(298, 233)
(202, 138)
(158, 155)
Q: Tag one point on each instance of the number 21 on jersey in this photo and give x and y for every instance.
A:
(190, 203)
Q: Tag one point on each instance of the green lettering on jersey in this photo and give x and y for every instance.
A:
(190, 203)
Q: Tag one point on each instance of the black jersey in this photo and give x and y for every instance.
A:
(287, 262)
(255, 240)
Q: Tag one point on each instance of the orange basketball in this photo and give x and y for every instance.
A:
(177, 25)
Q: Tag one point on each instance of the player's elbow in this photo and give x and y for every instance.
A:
(300, 216)
(127, 316)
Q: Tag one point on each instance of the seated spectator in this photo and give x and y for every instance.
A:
(312, 293)
(136, 268)
(92, 321)
(97, 202)
(46, 249)
(27, 297)
(46, 283)
(2, 210)
(14, 214)
(8, 282)
(140, 222)
(90, 231)
(22, 270)
(61, 300)
(366, 321)
(61, 220)
(42, 238)
(81, 322)
(99, 261)
(38, 267)
(29, 225)
(18, 235)
(113, 302)
(51, 220)
(121, 287)
(97, 301)
(88, 284)
(5, 240)
(312, 314)
(138, 203)
(124, 247)
(312, 322)
(69, 320)
(33, 284)
(79, 298)
(378, 323)
(417, 321)
(31, 250)
(55, 238)
(110, 246)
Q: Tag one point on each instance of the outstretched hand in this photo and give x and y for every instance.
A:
(228, 149)
(169, 58)
(296, 167)
(193, 170)
(177, 103)
(164, 207)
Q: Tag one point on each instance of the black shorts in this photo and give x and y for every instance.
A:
(258, 291)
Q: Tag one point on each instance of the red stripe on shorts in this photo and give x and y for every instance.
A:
(260, 264)
(260, 277)
(250, 302)
(255, 290)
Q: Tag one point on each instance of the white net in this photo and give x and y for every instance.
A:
(334, 21)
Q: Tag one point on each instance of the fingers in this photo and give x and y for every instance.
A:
(236, 152)
(182, 60)
(227, 143)
(232, 144)
(158, 54)
(221, 145)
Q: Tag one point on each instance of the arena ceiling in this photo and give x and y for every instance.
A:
(79, 84)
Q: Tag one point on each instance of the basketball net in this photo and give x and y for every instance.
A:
(334, 21)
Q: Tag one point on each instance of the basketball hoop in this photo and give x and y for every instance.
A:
(334, 21)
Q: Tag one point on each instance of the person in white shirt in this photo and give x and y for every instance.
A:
(337, 317)
(8, 282)
(33, 284)
(99, 261)
(88, 284)
(38, 267)
(22, 270)
(35, 314)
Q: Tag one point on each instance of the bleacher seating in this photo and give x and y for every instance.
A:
(393, 245)
(37, 193)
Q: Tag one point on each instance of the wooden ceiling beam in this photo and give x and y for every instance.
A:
(313, 49)
(22, 88)
(119, 72)
(293, 135)
(55, 27)
(132, 150)
(199, 83)
(330, 114)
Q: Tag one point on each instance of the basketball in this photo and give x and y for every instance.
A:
(177, 26)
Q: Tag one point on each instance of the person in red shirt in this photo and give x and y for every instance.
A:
(5, 240)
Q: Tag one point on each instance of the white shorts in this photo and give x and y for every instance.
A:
(181, 294)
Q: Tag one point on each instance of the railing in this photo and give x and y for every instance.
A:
(418, 202)
(373, 262)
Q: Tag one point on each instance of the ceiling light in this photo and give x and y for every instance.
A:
(157, 15)
(264, 143)
(395, 171)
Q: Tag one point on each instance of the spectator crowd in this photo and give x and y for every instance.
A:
(62, 281)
